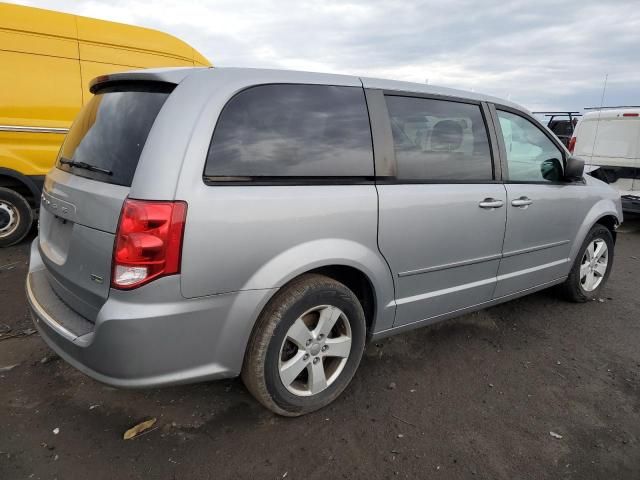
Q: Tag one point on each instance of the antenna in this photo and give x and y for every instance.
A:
(595, 137)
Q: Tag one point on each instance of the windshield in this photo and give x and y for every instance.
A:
(107, 137)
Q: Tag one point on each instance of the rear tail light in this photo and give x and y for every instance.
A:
(148, 242)
(572, 144)
(629, 114)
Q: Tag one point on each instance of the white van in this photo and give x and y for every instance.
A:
(608, 140)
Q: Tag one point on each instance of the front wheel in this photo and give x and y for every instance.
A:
(591, 268)
(306, 346)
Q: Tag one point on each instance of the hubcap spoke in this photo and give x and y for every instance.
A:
(317, 377)
(600, 269)
(299, 333)
(594, 264)
(338, 347)
(290, 369)
(328, 318)
(584, 270)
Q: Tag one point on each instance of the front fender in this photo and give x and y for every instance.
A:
(602, 208)
(326, 252)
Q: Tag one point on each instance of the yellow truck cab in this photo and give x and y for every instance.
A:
(47, 60)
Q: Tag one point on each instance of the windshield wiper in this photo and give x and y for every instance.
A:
(86, 166)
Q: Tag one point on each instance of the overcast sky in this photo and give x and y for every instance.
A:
(541, 54)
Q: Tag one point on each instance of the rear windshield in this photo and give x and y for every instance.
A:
(107, 137)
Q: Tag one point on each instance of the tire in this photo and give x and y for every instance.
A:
(16, 217)
(576, 287)
(278, 340)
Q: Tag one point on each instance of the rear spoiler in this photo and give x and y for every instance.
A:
(162, 75)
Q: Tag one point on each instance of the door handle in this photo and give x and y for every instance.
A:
(490, 203)
(522, 202)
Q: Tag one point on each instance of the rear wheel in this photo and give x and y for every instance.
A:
(591, 268)
(16, 217)
(306, 346)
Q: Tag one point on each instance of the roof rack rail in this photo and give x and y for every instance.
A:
(549, 114)
(605, 108)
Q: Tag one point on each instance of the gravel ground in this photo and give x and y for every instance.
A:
(474, 397)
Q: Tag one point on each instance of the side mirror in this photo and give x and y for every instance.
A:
(574, 170)
(551, 170)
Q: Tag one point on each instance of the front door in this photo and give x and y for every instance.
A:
(543, 211)
(442, 218)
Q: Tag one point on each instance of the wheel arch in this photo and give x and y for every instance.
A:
(20, 183)
(611, 223)
(603, 213)
(356, 281)
(360, 268)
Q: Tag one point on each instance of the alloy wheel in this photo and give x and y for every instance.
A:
(594, 265)
(315, 350)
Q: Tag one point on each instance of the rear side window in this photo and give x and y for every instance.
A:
(292, 131)
(107, 137)
(439, 140)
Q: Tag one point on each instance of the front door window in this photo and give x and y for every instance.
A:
(531, 155)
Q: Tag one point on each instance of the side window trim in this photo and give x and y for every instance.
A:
(494, 144)
(384, 156)
(503, 151)
(501, 148)
(380, 118)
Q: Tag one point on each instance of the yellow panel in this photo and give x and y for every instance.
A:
(116, 34)
(29, 153)
(39, 44)
(36, 90)
(128, 57)
(199, 59)
(42, 86)
(17, 18)
(29, 19)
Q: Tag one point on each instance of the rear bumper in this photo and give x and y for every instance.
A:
(148, 337)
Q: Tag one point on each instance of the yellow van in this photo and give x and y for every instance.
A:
(47, 60)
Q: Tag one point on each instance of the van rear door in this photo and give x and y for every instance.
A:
(84, 193)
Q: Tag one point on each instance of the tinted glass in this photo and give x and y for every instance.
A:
(109, 133)
(439, 140)
(292, 130)
(531, 155)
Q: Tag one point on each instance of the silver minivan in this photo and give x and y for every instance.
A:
(210, 223)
